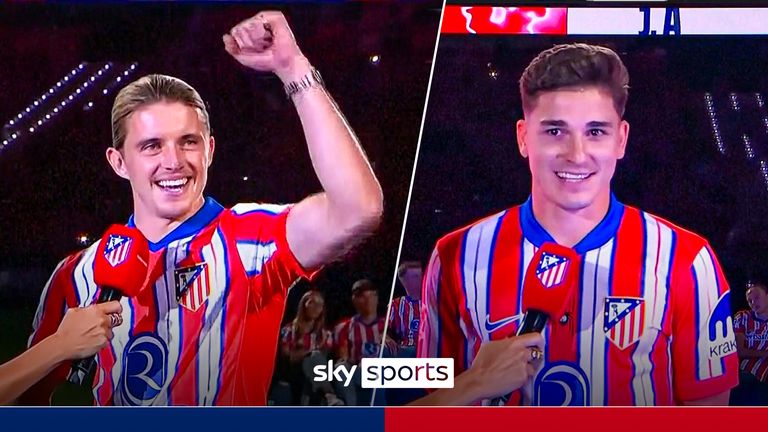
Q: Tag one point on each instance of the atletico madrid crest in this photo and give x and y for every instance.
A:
(117, 249)
(193, 286)
(551, 269)
(624, 320)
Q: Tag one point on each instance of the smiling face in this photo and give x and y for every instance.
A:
(165, 155)
(572, 138)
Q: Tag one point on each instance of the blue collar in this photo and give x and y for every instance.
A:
(603, 232)
(208, 212)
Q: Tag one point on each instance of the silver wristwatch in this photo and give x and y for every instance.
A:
(312, 79)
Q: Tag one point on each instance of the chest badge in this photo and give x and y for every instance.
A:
(193, 286)
(624, 320)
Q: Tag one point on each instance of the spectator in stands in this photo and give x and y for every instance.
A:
(360, 336)
(751, 328)
(403, 327)
(304, 343)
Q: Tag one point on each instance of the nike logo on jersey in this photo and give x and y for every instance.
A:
(492, 326)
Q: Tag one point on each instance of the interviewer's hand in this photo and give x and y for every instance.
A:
(85, 331)
(499, 368)
(505, 365)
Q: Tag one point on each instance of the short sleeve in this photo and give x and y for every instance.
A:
(740, 322)
(703, 347)
(259, 231)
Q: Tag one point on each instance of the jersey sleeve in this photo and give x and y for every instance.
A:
(260, 236)
(59, 294)
(392, 324)
(440, 334)
(740, 322)
(704, 359)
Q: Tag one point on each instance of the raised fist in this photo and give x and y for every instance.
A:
(265, 43)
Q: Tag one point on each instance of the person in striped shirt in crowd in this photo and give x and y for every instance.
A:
(650, 322)
(358, 337)
(751, 328)
(204, 327)
(403, 328)
(305, 343)
(403, 324)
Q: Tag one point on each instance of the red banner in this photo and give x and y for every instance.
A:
(504, 20)
(543, 419)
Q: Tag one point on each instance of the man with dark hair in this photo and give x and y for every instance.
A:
(204, 328)
(360, 337)
(751, 328)
(650, 320)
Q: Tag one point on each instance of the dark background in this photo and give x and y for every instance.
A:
(469, 165)
(55, 184)
(612, 3)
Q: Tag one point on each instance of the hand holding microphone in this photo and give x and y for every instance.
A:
(548, 289)
(505, 365)
(82, 332)
(119, 269)
(85, 331)
(499, 366)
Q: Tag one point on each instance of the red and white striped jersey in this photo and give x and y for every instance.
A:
(404, 320)
(651, 325)
(309, 341)
(204, 328)
(361, 340)
(755, 332)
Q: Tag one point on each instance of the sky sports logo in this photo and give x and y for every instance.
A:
(390, 373)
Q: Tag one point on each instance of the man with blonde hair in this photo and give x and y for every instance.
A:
(204, 328)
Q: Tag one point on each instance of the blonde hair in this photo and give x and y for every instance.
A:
(318, 326)
(151, 89)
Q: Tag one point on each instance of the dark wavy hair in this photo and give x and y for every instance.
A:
(573, 65)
